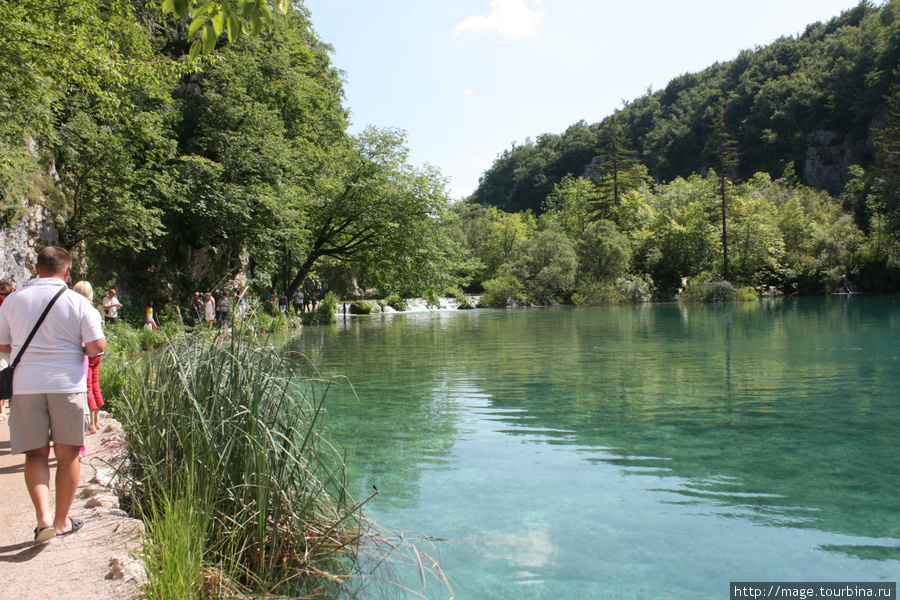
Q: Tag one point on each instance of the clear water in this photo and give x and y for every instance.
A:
(627, 452)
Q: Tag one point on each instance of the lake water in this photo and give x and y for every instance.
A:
(626, 452)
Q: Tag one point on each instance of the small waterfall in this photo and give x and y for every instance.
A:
(413, 305)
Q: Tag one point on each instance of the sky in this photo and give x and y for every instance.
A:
(466, 79)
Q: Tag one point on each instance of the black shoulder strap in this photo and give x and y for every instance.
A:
(37, 325)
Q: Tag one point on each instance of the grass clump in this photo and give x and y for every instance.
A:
(228, 450)
(708, 287)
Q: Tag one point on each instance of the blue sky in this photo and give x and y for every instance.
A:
(467, 78)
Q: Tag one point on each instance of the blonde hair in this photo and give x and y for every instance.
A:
(85, 289)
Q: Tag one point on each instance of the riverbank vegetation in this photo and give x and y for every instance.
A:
(231, 468)
(783, 238)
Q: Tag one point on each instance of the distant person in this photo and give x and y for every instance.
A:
(111, 306)
(282, 304)
(297, 300)
(308, 297)
(209, 310)
(7, 287)
(242, 303)
(49, 388)
(197, 307)
(224, 306)
(94, 398)
(272, 301)
(149, 320)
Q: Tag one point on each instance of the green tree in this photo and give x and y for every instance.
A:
(678, 238)
(569, 204)
(101, 49)
(722, 148)
(368, 209)
(603, 253)
(546, 264)
(108, 179)
(250, 130)
(615, 171)
(887, 167)
(758, 247)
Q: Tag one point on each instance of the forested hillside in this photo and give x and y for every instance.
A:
(813, 101)
(774, 173)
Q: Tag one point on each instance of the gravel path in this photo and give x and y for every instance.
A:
(95, 563)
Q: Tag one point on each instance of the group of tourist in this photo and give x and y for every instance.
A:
(214, 308)
(53, 337)
(302, 301)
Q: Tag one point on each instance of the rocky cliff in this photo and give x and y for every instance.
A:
(21, 241)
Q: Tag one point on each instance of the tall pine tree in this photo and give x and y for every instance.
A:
(722, 147)
(615, 171)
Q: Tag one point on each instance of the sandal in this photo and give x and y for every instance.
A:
(77, 524)
(44, 534)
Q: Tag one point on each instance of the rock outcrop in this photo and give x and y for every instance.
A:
(18, 251)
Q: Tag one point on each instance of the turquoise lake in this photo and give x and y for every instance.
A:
(624, 452)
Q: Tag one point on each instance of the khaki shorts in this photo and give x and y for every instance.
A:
(36, 419)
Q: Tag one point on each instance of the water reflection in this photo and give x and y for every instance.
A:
(645, 431)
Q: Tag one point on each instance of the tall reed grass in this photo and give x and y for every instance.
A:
(226, 448)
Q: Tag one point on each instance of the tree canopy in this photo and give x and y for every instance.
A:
(174, 172)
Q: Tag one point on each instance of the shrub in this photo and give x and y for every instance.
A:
(636, 289)
(396, 302)
(501, 292)
(603, 252)
(546, 264)
(463, 300)
(747, 293)
(325, 313)
(708, 287)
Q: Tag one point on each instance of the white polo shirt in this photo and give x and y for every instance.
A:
(53, 361)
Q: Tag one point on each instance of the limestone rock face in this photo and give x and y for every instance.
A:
(829, 157)
(18, 241)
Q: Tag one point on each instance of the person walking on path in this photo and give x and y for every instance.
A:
(298, 301)
(111, 306)
(197, 308)
(49, 387)
(210, 310)
(7, 287)
(149, 320)
(94, 398)
(222, 309)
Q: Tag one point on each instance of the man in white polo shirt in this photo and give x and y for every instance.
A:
(111, 305)
(49, 388)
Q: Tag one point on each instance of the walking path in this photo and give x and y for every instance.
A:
(96, 563)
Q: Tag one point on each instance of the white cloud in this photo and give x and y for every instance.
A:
(510, 18)
(469, 92)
